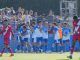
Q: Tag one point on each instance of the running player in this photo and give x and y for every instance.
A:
(76, 34)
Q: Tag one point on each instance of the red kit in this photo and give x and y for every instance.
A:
(76, 30)
(7, 32)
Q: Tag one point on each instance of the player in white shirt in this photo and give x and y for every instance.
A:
(45, 36)
(25, 38)
(39, 36)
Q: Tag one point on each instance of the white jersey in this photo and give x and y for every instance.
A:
(56, 36)
(38, 33)
(56, 33)
(25, 34)
(45, 35)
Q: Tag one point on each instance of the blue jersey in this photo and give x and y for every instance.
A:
(34, 31)
(66, 31)
(55, 29)
(24, 32)
(45, 29)
(34, 28)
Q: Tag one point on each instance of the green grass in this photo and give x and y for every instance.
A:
(43, 56)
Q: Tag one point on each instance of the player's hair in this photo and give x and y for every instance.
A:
(54, 23)
(65, 23)
(39, 22)
(75, 17)
(33, 22)
(24, 26)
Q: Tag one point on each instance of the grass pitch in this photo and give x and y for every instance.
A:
(41, 56)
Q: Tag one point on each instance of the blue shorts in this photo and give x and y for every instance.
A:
(55, 41)
(39, 39)
(45, 40)
(32, 40)
(64, 41)
(24, 40)
(61, 41)
(58, 41)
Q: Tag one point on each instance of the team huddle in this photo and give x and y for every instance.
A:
(33, 32)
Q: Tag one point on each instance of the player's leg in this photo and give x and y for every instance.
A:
(38, 44)
(45, 45)
(10, 49)
(2, 51)
(64, 45)
(34, 43)
(5, 46)
(72, 49)
(18, 49)
(28, 44)
(75, 38)
(61, 45)
(22, 45)
(56, 45)
(67, 45)
(6, 42)
(41, 44)
(25, 45)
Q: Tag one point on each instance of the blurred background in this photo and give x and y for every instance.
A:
(42, 6)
